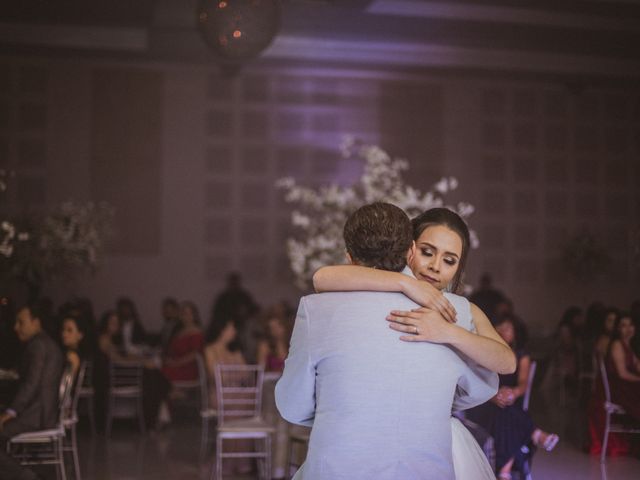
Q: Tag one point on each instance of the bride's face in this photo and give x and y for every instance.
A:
(437, 256)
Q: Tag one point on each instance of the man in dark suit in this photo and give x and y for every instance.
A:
(35, 405)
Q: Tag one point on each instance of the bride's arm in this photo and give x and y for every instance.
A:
(486, 348)
(348, 278)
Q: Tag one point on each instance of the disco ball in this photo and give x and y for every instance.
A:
(239, 29)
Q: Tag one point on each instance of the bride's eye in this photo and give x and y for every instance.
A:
(450, 261)
(427, 252)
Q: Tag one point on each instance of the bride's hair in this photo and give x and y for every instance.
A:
(453, 221)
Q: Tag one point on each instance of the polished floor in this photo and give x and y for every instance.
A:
(174, 453)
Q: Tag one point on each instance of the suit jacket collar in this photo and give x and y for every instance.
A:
(407, 271)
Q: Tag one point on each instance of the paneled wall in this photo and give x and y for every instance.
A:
(190, 159)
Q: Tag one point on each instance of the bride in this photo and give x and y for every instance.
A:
(437, 263)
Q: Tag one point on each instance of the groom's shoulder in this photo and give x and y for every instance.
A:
(343, 299)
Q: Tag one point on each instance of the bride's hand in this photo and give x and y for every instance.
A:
(424, 325)
(425, 294)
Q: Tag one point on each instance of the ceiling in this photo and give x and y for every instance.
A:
(595, 37)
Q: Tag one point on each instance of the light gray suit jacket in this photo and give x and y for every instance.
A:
(380, 408)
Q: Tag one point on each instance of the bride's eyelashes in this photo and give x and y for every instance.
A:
(448, 260)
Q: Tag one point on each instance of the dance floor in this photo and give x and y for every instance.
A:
(174, 454)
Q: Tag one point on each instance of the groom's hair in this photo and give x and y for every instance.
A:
(379, 235)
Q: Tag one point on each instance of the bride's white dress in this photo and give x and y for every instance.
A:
(469, 461)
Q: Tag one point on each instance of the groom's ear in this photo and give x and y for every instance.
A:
(411, 252)
(349, 258)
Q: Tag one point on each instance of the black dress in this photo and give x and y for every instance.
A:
(511, 427)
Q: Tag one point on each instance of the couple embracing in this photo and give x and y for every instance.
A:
(380, 406)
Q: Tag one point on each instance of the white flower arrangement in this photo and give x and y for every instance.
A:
(8, 233)
(320, 215)
(71, 238)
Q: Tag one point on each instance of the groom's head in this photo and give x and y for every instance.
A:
(379, 235)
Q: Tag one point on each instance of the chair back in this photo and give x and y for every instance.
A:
(204, 383)
(125, 375)
(65, 393)
(78, 388)
(86, 386)
(527, 394)
(239, 391)
(605, 380)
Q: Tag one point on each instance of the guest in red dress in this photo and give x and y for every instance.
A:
(623, 368)
(274, 348)
(623, 372)
(179, 363)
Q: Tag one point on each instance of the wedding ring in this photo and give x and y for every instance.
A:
(417, 332)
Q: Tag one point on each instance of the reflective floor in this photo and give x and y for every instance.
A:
(174, 453)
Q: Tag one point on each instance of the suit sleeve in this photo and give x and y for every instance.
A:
(28, 389)
(476, 385)
(296, 389)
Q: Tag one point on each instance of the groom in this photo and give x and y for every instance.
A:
(380, 408)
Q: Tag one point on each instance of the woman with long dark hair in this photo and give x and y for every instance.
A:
(623, 367)
(179, 363)
(76, 340)
(623, 373)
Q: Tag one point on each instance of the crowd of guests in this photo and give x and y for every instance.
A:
(238, 332)
(570, 370)
(585, 340)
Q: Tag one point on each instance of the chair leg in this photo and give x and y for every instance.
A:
(140, 412)
(92, 419)
(605, 439)
(204, 438)
(74, 451)
(218, 465)
(63, 472)
(109, 416)
(267, 460)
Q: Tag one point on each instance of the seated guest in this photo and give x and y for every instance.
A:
(133, 333)
(623, 367)
(562, 372)
(35, 405)
(604, 332)
(155, 387)
(10, 345)
(223, 350)
(503, 416)
(635, 316)
(272, 351)
(110, 335)
(170, 321)
(180, 360)
(75, 340)
(274, 348)
(618, 443)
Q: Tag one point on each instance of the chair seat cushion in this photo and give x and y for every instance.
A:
(132, 391)
(68, 422)
(186, 384)
(209, 413)
(40, 436)
(299, 437)
(614, 408)
(255, 424)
